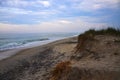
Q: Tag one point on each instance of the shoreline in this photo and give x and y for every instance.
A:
(11, 52)
(46, 56)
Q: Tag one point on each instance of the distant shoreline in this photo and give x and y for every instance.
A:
(8, 53)
(14, 41)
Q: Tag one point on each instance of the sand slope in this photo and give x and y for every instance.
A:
(99, 61)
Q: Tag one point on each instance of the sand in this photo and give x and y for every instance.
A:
(48, 55)
(6, 54)
(97, 62)
(11, 52)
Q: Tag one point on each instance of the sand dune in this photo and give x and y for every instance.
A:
(98, 61)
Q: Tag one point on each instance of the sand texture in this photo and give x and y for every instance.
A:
(100, 60)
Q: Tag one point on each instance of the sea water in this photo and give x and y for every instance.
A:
(17, 40)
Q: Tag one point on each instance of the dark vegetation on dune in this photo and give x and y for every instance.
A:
(108, 31)
(89, 36)
(60, 70)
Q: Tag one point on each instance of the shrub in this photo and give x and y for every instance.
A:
(61, 68)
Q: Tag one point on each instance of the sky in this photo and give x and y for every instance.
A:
(34, 16)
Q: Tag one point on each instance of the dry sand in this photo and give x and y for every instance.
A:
(34, 62)
(99, 62)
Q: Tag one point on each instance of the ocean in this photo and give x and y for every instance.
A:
(12, 40)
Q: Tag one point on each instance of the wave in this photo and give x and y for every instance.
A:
(18, 44)
(32, 40)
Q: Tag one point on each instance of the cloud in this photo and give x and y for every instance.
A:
(75, 25)
(34, 11)
(62, 7)
(45, 3)
(20, 11)
(15, 3)
(65, 22)
(25, 3)
(96, 4)
(14, 10)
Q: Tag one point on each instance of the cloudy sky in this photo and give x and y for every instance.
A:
(57, 15)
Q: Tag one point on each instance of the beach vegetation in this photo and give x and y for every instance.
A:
(107, 31)
(90, 34)
(59, 69)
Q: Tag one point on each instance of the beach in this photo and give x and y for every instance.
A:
(7, 53)
(11, 43)
(17, 56)
(37, 63)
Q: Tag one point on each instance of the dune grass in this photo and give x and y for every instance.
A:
(108, 31)
(89, 36)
